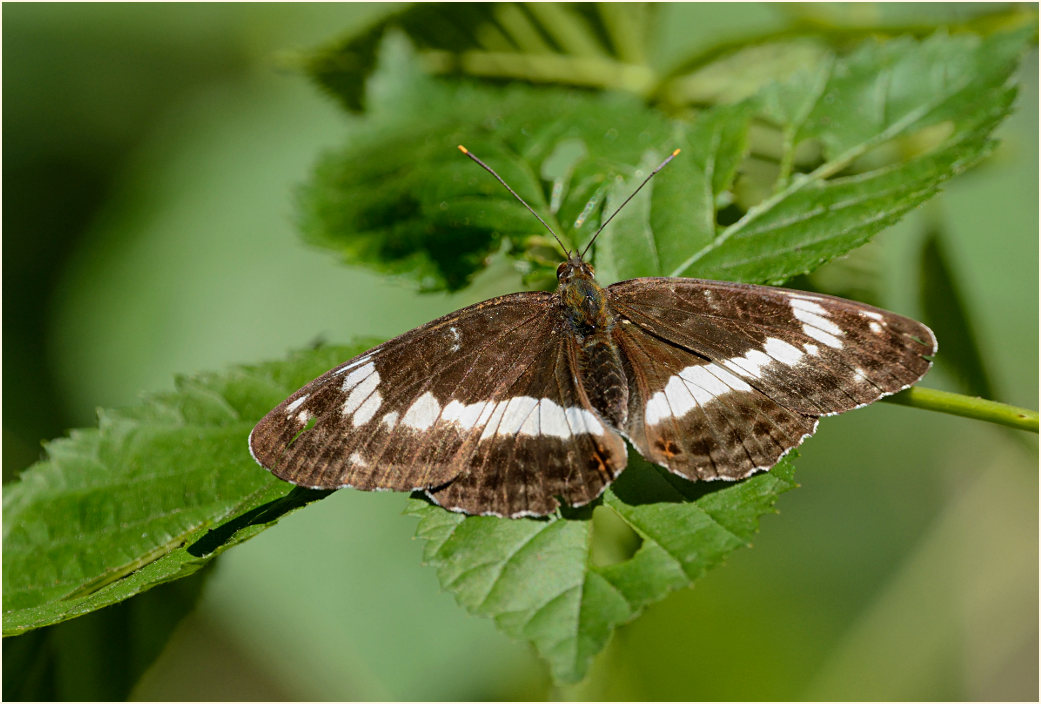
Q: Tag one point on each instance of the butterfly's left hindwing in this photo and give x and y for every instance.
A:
(696, 418)
(479, 408)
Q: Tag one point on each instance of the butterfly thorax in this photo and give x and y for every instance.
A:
(592, 322)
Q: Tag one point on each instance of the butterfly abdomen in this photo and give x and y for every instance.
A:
(603, 377)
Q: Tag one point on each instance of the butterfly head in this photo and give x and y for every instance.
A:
(584, 302)
(573, 269)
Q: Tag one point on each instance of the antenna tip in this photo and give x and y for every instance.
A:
(464, 150)
(674, 153)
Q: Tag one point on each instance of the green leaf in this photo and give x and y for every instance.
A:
(860, 141)
(893, 123)
(676, 213)
(151, 495)
(618, 46)
(734, 67)
(401, 198)
(949, 317)
(538, 578)
(590, 45)
(100, 656)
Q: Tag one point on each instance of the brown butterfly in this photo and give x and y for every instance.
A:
(516, 404)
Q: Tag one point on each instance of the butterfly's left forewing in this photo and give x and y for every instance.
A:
(478, 408)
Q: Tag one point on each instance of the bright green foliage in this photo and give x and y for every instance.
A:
(538, 579)
(949, 318)
(676, 214)
(400, 197)
(903, 116)
(859, 142)
(101, 655)
(600, 46)
(151, 495)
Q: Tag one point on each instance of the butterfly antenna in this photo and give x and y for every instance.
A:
(626, 202)
(531, 210)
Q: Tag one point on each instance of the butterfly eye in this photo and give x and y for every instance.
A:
(560, 269)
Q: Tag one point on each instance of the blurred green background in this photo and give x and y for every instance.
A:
(150, 157)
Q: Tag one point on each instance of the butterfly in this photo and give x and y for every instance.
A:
(517, 404)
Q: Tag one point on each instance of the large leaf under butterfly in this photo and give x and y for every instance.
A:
(516, 404)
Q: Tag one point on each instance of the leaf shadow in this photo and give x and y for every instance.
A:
(261, 515)
(645, 483)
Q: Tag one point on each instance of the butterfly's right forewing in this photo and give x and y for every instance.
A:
(725, 378)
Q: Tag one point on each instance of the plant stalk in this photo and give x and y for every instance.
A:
(967, 406)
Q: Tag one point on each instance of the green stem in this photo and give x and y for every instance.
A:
(968, 406)
(595, 72)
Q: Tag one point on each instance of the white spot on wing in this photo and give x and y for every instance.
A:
(657, 409)
(553, 419)
(365, 382)
(486, 412)
(674, 400)
(800, 303)
(776, 357)
(351, 365)
(492, 426)
(583, 421)
(463, 414)
(815, 322)
(821, 336)
(359, 375)
(753, 363)
(730, 382)
(456, 338)
(696, 385)
(875, 327)
(423, 412)
(296, 404)
(524, 416)
(812, 314)
(357, 459)
(518, 416)
(872, 314)
(303, 417)
(368, 409)
(783, 352)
